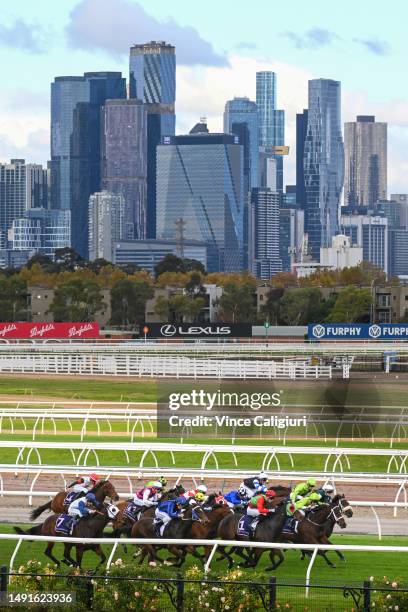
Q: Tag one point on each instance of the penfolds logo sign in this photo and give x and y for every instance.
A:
(45, 330)
(7, 329)
(80, 331)
(40, 330)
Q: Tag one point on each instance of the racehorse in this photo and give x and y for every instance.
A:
(122, 525)
(178, 528)
(311, 529)
(102, 489)
(330, 523)
(89, 527)
(215, 513)
(268, 529)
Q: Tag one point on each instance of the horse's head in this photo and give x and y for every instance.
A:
(344, 505)
(110, 510)
(337, 514)
(199, 513)
(104, 488)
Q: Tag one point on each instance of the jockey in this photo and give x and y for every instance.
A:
(83, 506)
(303, 489)
(325, 493)
(199, 494)
(236, 498)
(255, 485)
(148, 496)
(168, 510)
(84, 483)
(305, 503)
(256, 505)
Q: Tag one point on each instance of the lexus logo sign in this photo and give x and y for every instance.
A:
(203, 330)
(168, 330)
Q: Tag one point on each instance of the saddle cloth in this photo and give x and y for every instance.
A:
(131, 511)
(244, 525)
(64, 524)
(69, 498)
(290, 526)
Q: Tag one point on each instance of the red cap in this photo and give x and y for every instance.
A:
(94, 477)
(270, 493)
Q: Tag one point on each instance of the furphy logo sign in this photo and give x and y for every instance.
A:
(204, 330)
(49, 330)
(357, 331)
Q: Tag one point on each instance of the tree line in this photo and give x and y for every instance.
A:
(79, 286)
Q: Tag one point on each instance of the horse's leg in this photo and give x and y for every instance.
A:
(48, 553)
(67, 555)
(98, 550)
(79, 554)
(275, 552)
(325, 540)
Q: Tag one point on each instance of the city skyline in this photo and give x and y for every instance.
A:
(222, 65)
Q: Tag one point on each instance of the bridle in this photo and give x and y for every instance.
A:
(336, 515)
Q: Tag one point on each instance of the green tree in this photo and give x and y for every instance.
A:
(193, 308)
(297, 305)
(352, 305)
(13, 299)
(172, 263)
(237, 303)
(76, 300)
(68, 260)
(128, 301)
(270, 310)
(162, 308)
(178, 306)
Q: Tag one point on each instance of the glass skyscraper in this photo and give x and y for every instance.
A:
(266, 260)
(200, 180)
(271, 120)
(152, 79)
(75, 144)
(301, 131)
(365, 145)
(323, 164)
(124, 160)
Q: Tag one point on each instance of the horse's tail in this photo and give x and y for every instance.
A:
(36, 530)
(37, 511)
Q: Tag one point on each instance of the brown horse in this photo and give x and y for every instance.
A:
(267, 530)
(208, 531)
(102, 489)
(89, 527)
(178, 528)
(311, 529)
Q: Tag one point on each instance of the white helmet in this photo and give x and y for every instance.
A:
(202, 488)
(242, 490)
(157, 484)
(328, 488)
(263, 476)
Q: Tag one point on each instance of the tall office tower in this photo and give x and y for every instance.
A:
(301, 131)
(402, 201)
(265, 233)
(37, 186)
(323, 164)
(271, 120)
(107, 212)
(291, 229)
(124, 159)
(369, 232)
(365, 156)
(200, 180)
(76, 104)
(152, 68)
(41, 231)
(12, 195)
(241, 119)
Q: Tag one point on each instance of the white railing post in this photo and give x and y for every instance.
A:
(309, 569)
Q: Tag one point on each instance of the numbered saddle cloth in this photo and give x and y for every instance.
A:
(132, 511)
(69, 498)
(64, 524)
(290, 526)
(244, 525)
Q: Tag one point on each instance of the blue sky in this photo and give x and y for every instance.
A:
(220, 45)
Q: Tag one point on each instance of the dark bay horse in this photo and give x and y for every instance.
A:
(178, 528)
(268, 529)
(102, 489)
(311, 529)
(89, 527)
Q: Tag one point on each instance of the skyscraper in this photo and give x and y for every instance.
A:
(369, 232)
(365, 152)
(265, 233)
(152, 79)
(301, 131)
(241, 119)
(271, 120)
(75, 144)
(106, 224)
(323, 164)
(200, 180)
(124, 160)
